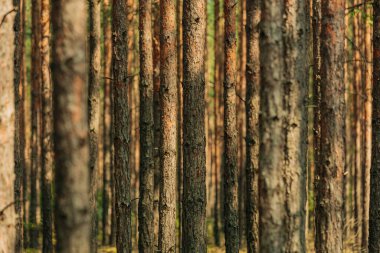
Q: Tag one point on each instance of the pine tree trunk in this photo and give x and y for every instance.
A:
(121, 122)
(94, 110)
(106, 121)
(72, 208)
(194, 138)
(231, 217)
(283, 126)
(374, 218)
(8, 216)
(35, 123)
(156, 114)
(19, 137)
(367, 127)
(252, 125)
(329, 174)
(168, 147)
(146, 201)
(47, 131)
(217, 91)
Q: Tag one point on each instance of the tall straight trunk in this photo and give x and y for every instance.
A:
(46, 131)
(168, 147)
(329, 174)
(316, 24)
(374, 218)
(217, 89)
(72, 204)
(252, 125)
(121, 122)
(194, 135)
(94, 110)
(106, 121)
(295, 131)
(231, 217)
(367, 127)
(179, 39)
(146, 201)
(8, 216)
(19, 136)
(156, 113)
(35, 122)
(357, 133)
(241, 87)
(283, 126)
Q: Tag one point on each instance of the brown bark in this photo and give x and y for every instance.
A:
(252, 125)
(168, 147)
(217, 117)
(7, 129)
(47, 131)
(231, 219)
(35, 123)
(106, 122)
(374, 217)
(156, 113)
(121, 123)
(72, 208)
(367, 127)
(283, 126)
(329, 175)
(19, 137)
(94, 110)
(146, 201)
(194, 135)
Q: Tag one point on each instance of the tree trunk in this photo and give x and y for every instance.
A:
(94, 110)
(146, 201)
(7, 129)
(19, 137)
(329, 174)
(168, 147)
(252, 125)
(106, 121)
(231, 217)
(217, 116)
(194, 138)
(122, 173)
(35, 122)
(47, 131)
(72, 208)
(367, 128)
(283, 127)
(156, 114)
(374, 218)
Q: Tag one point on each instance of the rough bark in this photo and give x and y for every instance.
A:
(106, 121)
(168, 146)
(231, 219)
(122, 174)
(19, 136)
(46, 131)
(7, 129)
(283, 126)
(146, 201)
(194, 139)
(329, 175)
(35, 122)
(374, 215)
(217, 116)
(252, 125)
(72, 206)
(156, 113)
(367, 127)
(94, 110)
